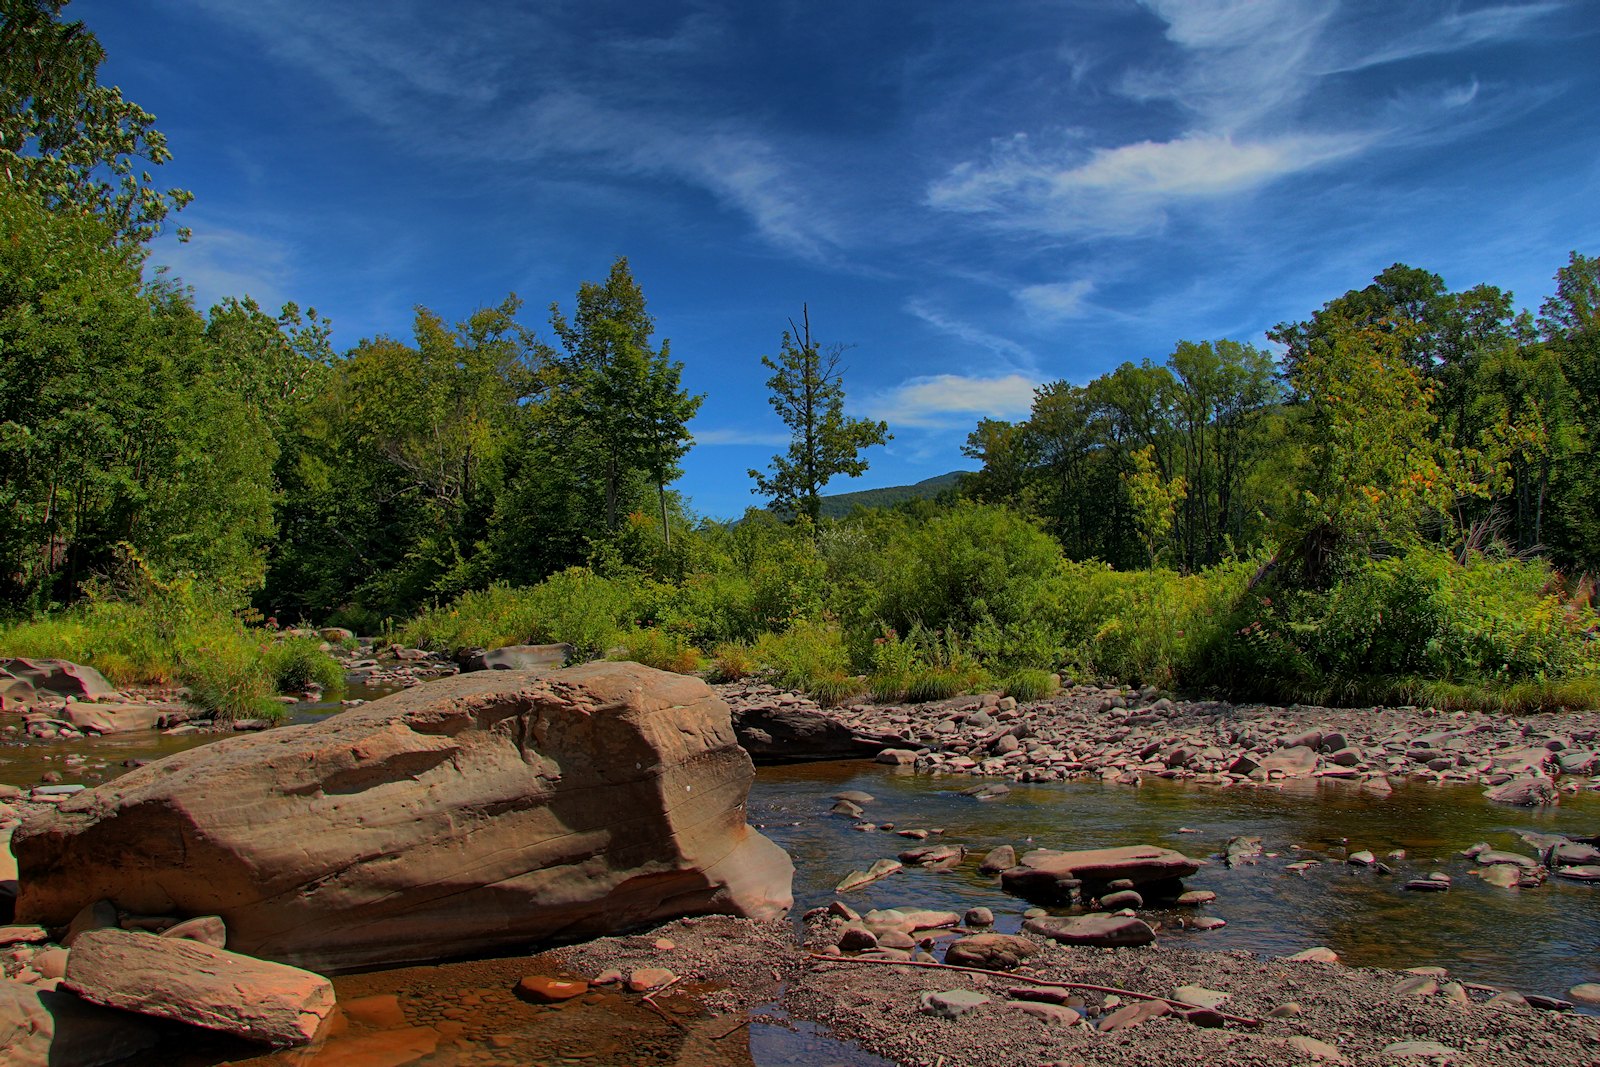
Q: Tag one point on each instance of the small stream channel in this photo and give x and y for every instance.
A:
(1538, 940)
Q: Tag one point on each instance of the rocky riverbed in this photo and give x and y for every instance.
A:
(1125, 736)
(981, 836)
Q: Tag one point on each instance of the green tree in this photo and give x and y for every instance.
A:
(623, 398)
(68, 141)
(807, 387)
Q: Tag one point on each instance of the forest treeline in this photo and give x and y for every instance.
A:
(1397, 409)
(1401, 502)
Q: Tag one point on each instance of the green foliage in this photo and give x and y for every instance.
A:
(807, 386)
(298, 663)
(660, 649)
(935, 685)
(804, 654)
(732, 661)
(576, 606)
(66, 140)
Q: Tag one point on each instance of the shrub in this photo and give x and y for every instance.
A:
(296, 663)
(231, 682)
(803, 654)
(732, 661)
(659, 649)
(890, 687)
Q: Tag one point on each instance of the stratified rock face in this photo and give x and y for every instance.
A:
(174, 978)
(478, 812)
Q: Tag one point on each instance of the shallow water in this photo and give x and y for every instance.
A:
(1541, 940)
(1536, 940)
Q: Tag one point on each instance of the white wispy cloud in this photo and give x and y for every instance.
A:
(943, 401)
(219, 262)
(1242, 73)
(735, 436)
(1009, 350)
(1053, 301)
(448, 85)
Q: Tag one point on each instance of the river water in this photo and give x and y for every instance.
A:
(1540, 940)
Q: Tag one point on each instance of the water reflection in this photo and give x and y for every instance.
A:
(1538, 940)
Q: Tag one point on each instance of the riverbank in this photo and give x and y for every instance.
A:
(1125, 735)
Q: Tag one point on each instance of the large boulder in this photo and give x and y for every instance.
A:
(518, 658)
(123, 718)
(60, 677)
(783, 734)
(475, 813)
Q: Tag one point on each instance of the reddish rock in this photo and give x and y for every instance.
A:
(994, 952)
(43, 1028)
(1104, 931)
(60, 677)
(541, 990)
(172, 978)
(1137, 863)
(462, 816)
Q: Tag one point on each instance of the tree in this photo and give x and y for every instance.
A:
(623, 398)
(68, 141)
(807, 386)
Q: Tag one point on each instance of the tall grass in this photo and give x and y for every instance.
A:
(177, 634)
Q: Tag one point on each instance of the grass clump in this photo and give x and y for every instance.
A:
(935, 684)
(833, 690)
(1030, 684)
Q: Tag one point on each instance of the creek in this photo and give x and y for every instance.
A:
(1540, 940)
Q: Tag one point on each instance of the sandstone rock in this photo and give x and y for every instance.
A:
(206, 929)
(124, 718)
(524, 658)
(998, 859)
(60, 677)
(979, 916)
(173, 978)
(857, 939)
(44, 1028)
(1524, 792)
(1421, 1049)
(1294, 762)
(538, 989)
(995, 952)
(785, 734)
(1318, 954)
(1049, 1014)
(1317, 1050)
(897, 757)
(1134, 1014)
(881, 869)
(644, 979)
(1106, 931)
(491, 809)
(952, 1003)
(1137, 863)
(1200, 996)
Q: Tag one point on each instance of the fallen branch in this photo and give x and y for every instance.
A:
(735, 1028)
(1242, 1020)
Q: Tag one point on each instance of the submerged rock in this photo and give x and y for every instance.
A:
(482, 811)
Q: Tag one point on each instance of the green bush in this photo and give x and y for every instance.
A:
(296, 663)
(935, 685)
(833, 689)
(659, 649)
(732, 661)
(803, 655)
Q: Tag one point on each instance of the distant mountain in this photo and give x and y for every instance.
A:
(838, 505)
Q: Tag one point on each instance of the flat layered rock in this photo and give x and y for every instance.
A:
(1137, 863)
(174, 978)
(1103, 931)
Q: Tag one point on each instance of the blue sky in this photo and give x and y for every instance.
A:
(977, 197)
